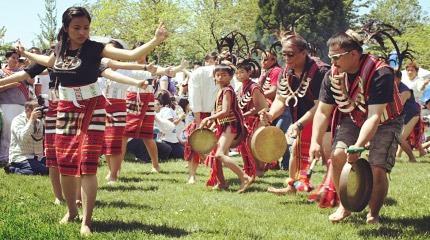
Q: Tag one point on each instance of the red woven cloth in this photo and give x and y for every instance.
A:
(79, 135)
(116, 113)
(301, 156)
(140, 116)
(49, 140)
(325, 194)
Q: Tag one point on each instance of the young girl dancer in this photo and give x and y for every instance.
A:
(228, 122)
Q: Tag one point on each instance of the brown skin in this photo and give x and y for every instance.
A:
(350, 63)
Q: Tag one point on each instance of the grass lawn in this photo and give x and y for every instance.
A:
(145, 205)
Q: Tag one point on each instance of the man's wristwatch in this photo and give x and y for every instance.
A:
(299, 126)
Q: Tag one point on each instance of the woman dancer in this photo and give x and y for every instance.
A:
(80, 121)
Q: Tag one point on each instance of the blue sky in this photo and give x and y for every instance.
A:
(21, 20)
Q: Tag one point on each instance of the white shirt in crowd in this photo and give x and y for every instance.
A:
(26, 139)
(139, 75)
(202, 89)
(416, 83)
(169, 136)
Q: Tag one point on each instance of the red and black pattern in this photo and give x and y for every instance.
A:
(116, 112)
(235, 121)
(368, 67)
(50, 121)
(140, 115)
(251, 123)
(79, 135)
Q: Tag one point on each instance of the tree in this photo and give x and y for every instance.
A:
(3, 46)
(402, 14)
(216, 18)
(135, 21)
(48, 25)
(315, 20)
(191, 23)
(414, 37)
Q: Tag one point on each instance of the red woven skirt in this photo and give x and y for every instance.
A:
(217, 174)
(325, 194)
(50, 119)
(79, 135)
(116, 113)
(140, 115)
(301, 156)
(249, 165)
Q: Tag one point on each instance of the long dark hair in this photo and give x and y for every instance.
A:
(68, 15)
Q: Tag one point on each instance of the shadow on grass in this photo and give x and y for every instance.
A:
(394, 227)
(172, 180)
(128, 188)
(131, 179)
(122, 204)
(115, 226)
(390, 201)
(294, 201)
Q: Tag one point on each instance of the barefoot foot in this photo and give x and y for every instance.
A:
(69, 218)
(372, 219)
(58, 201)
(191, 180)
(282, 191)
(155, 169)
(245, 184)
(85, 231)
(340, 214)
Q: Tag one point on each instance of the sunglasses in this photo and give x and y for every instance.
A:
(336, 57)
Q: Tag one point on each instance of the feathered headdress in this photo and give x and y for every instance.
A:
(376, 31)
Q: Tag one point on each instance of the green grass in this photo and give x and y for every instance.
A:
(144, 205)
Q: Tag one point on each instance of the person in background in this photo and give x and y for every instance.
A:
(26, 144)
(12, 99)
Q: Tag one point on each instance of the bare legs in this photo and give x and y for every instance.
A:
(152, 149)
(114, 162)
(338, 159)
(54, 176)
(192, 168)
(379, 192)
(89, 193)
(71, 188)
(224, 144)
(404, 145)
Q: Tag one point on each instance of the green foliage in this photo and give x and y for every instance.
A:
(144, 205)
(315, 20)
(191, 23)
(402, 14)
(135, 21)
(418, 40)
(3, 46)
(48, 25)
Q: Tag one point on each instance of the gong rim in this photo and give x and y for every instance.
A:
(268, 144)
(202, 140)
(355, 185)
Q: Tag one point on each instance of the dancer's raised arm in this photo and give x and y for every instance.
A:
(47, 61)
(131, 55)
